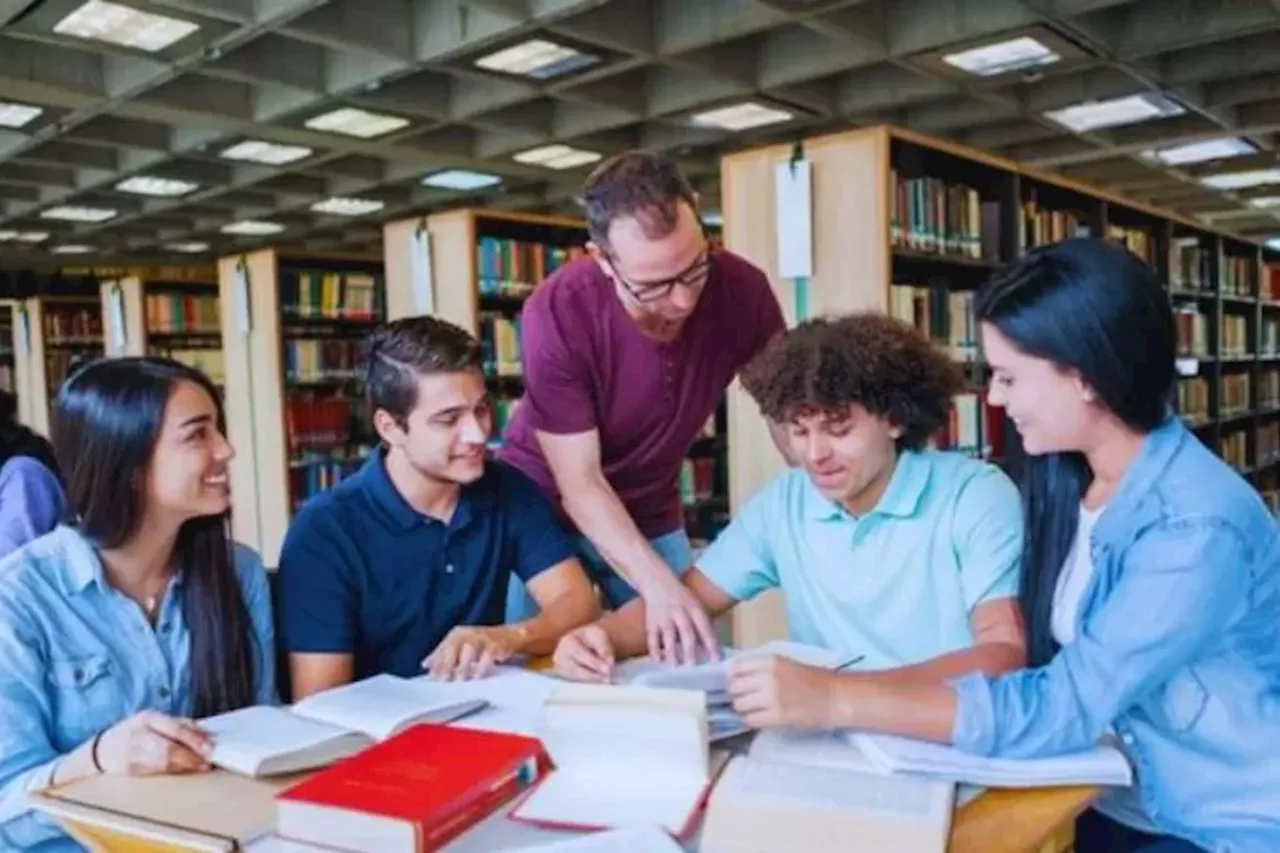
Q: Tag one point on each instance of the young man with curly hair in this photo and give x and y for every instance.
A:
(881, 547)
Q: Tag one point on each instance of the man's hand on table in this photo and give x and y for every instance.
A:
(678, 627)
(469, 652)
(776, 692)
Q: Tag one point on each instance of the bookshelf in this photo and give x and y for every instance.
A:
(177, 318)
(482, 264)
(291, 331)
(52, 336)
(8, 345)
(931, 220)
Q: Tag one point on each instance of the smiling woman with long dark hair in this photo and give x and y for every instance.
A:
(120, 628)
(1150, 576)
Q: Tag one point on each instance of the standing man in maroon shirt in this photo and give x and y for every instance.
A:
(627, 353)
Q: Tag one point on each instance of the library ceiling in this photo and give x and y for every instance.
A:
(173, 129)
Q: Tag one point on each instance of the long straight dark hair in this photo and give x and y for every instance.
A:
(106, 422)
(1090, 306)
(18, 440)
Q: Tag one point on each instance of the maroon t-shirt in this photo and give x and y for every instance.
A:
(588, 366)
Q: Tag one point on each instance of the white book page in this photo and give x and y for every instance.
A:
(711, 677)
(613, 800)
(247, 738)
(649, 839)
(815, 749)
(380, 706)
(1102, 765)
(516, 698)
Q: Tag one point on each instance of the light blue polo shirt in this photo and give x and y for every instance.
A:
(897, 584)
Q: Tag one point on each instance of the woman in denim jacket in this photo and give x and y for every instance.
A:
(1151, 583)
(118, 629)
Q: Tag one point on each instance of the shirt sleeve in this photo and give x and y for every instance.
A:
(1179, 584)
(27, 755)
(32, 499)
(319, 601)
(557, 385)
(740, 560)
(540, 540)
(257, 600)
(987, 532)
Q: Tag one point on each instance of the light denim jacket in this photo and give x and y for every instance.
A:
(77, 656)
(1177, 649)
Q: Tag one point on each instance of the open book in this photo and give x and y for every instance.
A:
(334, 724)
(1104, 764)
(712, 677)
(761, 805)
(635, 840)
(624, 757)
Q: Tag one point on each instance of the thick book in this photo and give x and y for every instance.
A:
(413, 792)
(624, 757)
(334, 724)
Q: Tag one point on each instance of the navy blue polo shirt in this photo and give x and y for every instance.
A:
(364, 573)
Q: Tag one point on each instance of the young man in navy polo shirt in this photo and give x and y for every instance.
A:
(404, 567)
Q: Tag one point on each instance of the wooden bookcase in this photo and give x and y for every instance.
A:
(52, 335)
(174, 318)
(911, 225)
(291, 331)
(8, 345)
(482, 264)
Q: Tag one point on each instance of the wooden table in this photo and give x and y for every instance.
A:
(1031, 821)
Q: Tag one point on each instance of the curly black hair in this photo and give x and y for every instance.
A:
(885, 365)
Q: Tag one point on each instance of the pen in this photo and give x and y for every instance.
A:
(850, 662)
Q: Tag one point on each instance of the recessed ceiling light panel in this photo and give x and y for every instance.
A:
(10, 236)
(252, 228)
(1130, 109)
(159, 187)
(73, 213)
(537, 58)
(741, 117)
(267, 153)
(350, 121)
(348, 206)
(1004, 57)
(461, 179)
(17, 115)
(188, 248)
(72, 249)
(1266, 201)
(1200, 152)
(1242, 180)
(557, 156)
(101, 20)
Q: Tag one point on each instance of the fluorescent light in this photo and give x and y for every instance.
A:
(161, 187)
(9, 236)
(17, 115)
(537, 58)
(350, 121)
(1002, 57)
(124, 25)
(1241, 180)
(741, 117)
(461, 179)
(1200, 152)
(348, 206)
(268, 153)
(557, 157)
(190, 248)
(1265, 201)
(1274, 243)
(1130, 109)
(71, 213)
(72, 249)
(713, 218)
(252, 227)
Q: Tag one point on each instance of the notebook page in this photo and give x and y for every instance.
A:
(616, 800)
(634, 840)
(245, 738)
(377, 706)
(1102, 765)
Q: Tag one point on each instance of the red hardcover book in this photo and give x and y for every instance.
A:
(414, 792)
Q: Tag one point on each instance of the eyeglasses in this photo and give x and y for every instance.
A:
(693, 279)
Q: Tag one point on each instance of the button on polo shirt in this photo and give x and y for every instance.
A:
(897, 584)
(364, 573)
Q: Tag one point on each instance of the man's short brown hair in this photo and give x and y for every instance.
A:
(399, 352)
(640, 184)
(884, 365)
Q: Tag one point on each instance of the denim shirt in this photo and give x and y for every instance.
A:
(1177, 650)
(77, 656)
